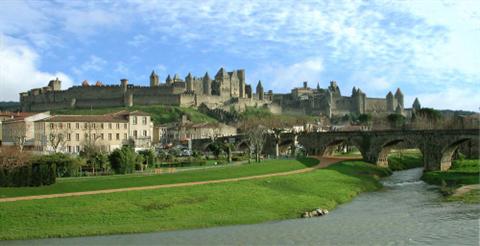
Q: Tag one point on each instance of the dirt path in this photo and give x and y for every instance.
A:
(324, 162)
(466, 188)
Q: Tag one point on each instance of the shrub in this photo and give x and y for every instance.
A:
(123, 160)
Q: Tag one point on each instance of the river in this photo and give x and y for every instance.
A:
(406, 212)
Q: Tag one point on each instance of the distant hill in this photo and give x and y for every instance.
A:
(9, 106)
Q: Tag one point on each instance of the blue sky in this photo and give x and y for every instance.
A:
(427, 48)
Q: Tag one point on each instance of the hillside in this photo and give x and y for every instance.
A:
(160, 114)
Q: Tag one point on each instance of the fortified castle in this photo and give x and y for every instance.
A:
(226, 88)
(330, 102)
(224, 91)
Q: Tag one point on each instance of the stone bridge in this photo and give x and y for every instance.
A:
(437, 146)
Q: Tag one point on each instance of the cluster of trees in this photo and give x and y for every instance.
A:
(21, 169)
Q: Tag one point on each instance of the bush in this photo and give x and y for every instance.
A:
(66, 166)
(28, 175)
(123, 160)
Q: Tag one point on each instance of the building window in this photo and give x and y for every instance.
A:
(118, 136)
(69, 137)
(125, 125)
(85, 125)
(145, 133)
(69, 126)
(94, 125)
(78, 149)
(135, 134)
(144, 120)
(109, 125)
(118, 125)
(77, 125)
(86, 136)
(69, 149)
(109, 136)
(94, 136)
(124, 136)
(60, 125)
(52, 125)
(134, 120)
(101, 136)
(77, 136)
(101, 125)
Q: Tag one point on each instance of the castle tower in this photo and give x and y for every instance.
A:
(305, 84)
(259, 91)
(354, 91)
(222, 81)
(56, 84)
(399, 109)
(248, 91)
(176, 78)
(154, 79)
(389, 98)
(168, 81)
(359, 101)
(124, 84)
(207, 85)
(416, 105)
(189, 81)
(334, 88)
(241, 78)
(399, 97)
(234, 84)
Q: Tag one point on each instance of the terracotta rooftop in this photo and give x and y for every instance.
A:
(121, 116)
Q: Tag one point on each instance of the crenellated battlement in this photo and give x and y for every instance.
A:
(176, 91)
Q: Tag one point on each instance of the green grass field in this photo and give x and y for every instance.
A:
(122, 181)
(160, 114)
(244, 202)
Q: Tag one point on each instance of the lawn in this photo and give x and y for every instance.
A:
(160, 114)
(122, 181)
(243, 202)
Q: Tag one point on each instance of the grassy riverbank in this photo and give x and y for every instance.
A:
(405, 160)
(244, 202)
(462, 172)
(65, 185)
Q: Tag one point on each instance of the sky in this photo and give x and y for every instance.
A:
(430, 49)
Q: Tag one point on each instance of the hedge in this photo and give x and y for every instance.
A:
(29, 175)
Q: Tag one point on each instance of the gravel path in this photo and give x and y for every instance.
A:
(324, 162)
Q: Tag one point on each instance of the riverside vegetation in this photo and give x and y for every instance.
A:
(462, 172)
(243, 202)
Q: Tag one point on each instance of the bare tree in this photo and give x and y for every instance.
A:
(57, 138)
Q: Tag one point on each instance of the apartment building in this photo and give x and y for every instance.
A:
(70, 133)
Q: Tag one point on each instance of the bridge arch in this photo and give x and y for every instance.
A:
(332, 145)
(447, 153)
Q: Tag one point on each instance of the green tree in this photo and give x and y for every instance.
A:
(123, 160)
(396, 120)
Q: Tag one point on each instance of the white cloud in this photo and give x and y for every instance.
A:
(282, 78)
(19, 70)
(94, 63)
(138, 40)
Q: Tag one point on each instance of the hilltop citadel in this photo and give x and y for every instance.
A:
(225, 90)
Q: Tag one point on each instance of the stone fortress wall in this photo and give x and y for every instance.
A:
(225, 89)
(330, 102)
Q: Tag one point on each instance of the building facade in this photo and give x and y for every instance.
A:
(70, 133)
(19, 129)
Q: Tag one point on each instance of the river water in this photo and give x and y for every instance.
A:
(406, 212)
